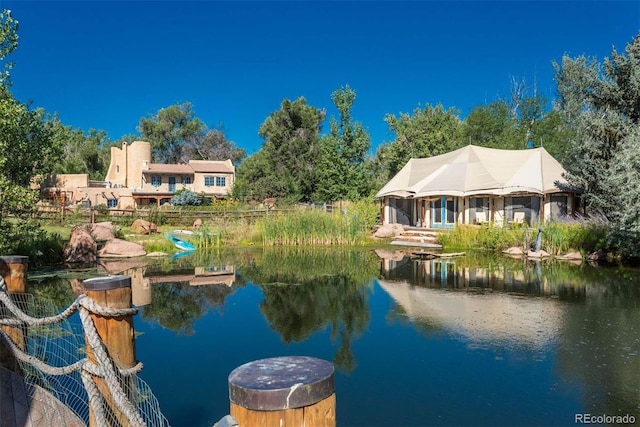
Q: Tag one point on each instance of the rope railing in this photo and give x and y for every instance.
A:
(121, 398)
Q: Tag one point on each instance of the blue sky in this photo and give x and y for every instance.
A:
(105, 65)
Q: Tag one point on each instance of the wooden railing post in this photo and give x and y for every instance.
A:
(291, 391)
(14, 272)
(116, 333)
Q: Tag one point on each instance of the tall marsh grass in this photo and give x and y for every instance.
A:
(490, 238)
(310, 227)
(558, 237)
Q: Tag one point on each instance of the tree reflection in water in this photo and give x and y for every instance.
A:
(181, 292)
(306, 290)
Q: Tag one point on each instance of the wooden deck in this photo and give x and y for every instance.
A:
(31, 406)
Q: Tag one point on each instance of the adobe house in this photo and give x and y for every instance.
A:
(475, 185)
(132, 181)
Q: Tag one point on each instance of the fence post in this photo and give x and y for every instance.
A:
(14, 272)
(292, 391)
(116, 333)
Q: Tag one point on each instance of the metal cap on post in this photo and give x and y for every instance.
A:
(107, 283)
(299, 389)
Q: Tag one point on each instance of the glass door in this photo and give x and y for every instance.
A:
(443, 212)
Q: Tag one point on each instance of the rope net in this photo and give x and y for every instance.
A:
(49, 350)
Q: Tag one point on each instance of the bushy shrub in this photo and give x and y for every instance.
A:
(367, 212)
(25, 237)
(102, 209)
(185, 197)
(225, 204)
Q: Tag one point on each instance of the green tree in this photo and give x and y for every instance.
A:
(624, 178)
(285, 165)
(177, 136)
(170, 131)
(524, 122)
(27, 150)
(214, 145)
(493, 125)
(81, 153)
(8, 43)
(601, 104)
(341, 170)
(427, 132)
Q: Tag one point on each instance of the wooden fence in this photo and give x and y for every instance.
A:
(172, 216)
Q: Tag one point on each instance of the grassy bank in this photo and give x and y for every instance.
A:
(558, 238)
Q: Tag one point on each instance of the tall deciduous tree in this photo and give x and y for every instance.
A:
(177, 136)
(494, 125)
(214, 145)
(81, 152)
(341, 169)
(524, 122)
(27, 149)
(8, 43)
(170, 131)
(427, 132)
(601, 103)
(284, 167)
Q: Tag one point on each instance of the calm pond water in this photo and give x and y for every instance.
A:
(477, 340)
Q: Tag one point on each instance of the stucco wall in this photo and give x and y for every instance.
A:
(127, 163)
(138, 158)
(199, 187)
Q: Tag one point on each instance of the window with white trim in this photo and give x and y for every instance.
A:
(156, 180)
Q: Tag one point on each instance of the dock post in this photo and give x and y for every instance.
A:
(291, 391)
(116, 333)
(14, 272)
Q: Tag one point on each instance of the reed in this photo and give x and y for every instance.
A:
(490, 237)
(309, 227)
(158, 245)
(558, 237)
(208, 238)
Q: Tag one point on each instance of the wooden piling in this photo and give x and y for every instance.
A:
(290, 391)
(14, 272)
(116, 333)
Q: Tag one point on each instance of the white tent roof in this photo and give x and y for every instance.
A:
(477, 170)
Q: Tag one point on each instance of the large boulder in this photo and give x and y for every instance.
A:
(388, 230)
(140, 226)
(81, 246)
(103, 231)
(118, 248)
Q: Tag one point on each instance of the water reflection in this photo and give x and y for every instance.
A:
(477, 272)
(588, 317)
(307, 290)
(177, 296)
(541, 339)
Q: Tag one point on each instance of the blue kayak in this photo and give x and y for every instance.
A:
(183, 245)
